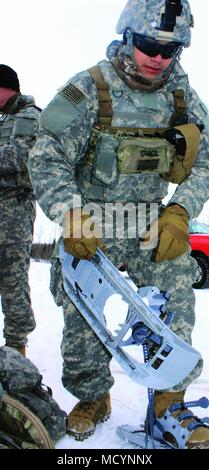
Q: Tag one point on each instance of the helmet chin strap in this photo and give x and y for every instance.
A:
(128, 43)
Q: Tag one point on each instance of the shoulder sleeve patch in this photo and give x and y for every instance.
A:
(73, 93)
(60, 112)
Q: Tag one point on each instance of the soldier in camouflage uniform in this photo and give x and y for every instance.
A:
(118, 133)
(18, 129)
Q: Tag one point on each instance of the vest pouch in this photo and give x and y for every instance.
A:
(6, 130)
(145, 155)
(105, 161)
(25, 126)
(182, 164)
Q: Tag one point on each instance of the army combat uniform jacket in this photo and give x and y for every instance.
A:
(61, 155)
(18, 131)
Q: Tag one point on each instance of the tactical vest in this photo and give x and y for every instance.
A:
(20, 125)
(139, 150)
(23, 125)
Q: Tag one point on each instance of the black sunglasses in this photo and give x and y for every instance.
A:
(152, 48)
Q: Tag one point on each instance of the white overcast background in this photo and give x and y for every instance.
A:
(48, 41)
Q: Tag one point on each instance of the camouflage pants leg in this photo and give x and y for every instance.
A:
(86, 372)
(19, 319)
(175, 276)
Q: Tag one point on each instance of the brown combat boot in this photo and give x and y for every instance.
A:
(84, 417)
(194, 439)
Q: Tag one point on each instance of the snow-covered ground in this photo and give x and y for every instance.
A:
(129, 400)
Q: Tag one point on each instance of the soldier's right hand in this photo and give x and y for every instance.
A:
(81, 235)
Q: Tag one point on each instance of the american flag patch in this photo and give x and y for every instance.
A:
(72, 93)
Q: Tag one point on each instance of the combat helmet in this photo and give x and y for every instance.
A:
(165, 20)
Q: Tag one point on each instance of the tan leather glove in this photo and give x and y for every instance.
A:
(81, 235)
(173, 232)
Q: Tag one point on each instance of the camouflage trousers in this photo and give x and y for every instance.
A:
(19, 319)
(86, 372)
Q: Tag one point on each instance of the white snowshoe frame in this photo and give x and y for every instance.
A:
(89, 284)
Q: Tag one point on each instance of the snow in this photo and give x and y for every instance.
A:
(45, 231)
(129, 400)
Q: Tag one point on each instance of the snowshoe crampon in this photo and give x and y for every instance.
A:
(138, 437)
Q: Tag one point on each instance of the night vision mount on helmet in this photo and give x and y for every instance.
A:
(165, 20)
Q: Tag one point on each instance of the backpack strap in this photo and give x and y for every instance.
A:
(179, 115)
(37, 107)
(20, 427)
(105, 102)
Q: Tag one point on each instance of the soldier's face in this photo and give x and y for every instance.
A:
(150, 67)
(5, 95)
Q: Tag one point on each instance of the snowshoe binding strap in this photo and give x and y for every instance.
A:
(178, 423)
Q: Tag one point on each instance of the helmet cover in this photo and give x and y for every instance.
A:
(147, 17)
